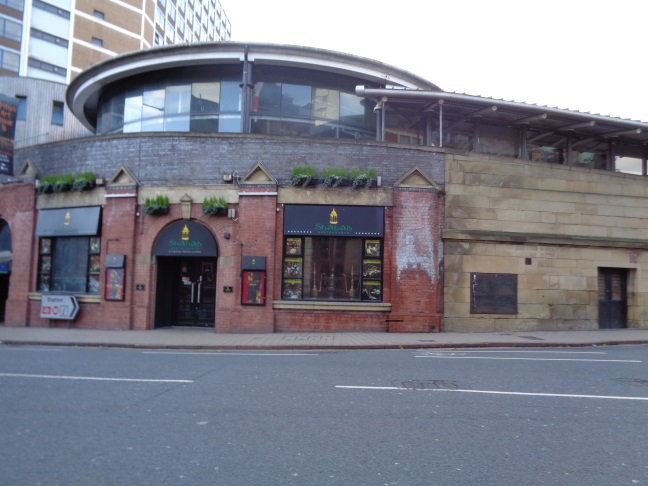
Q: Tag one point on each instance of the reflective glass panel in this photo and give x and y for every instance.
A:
(295, 100)
(133, 114)
(176, 108)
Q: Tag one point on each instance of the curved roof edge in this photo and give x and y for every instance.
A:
(84, 90)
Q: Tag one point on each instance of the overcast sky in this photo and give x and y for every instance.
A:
(589, 56)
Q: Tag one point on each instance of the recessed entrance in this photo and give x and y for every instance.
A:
(185, 290)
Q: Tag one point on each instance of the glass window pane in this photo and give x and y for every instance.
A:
(57, 113)
(296, 100)
(230, 96)
(352, 110)
(230, 107)
(176, 108)
(70, 265)
(205, 105)
(133, 114)
(326, 103)
(267, 98)
(628, 165)
(332, 268)
(153, 110)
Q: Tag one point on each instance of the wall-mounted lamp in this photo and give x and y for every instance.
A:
(227, 236)
(185, 202)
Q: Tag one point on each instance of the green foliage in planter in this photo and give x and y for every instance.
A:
(363, 177)
(156, 205)
(64, 183)
(84, 181)
(214, 205)
(302, 175)
(46, 184)
(334, 176)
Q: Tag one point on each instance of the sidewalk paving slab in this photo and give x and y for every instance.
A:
(202, 338)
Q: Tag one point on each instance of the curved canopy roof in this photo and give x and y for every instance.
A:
(84, 91)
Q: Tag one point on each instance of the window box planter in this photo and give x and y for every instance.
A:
(336, 177)
(214, 206)
(363, 178)
(158, 205)
(303, 176)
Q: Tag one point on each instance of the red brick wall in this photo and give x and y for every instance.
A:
(416, 252)
(255, 235)
(17, 207)
(330, 321)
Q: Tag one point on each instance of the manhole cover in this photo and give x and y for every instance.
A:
(633, 381)
(429, 384)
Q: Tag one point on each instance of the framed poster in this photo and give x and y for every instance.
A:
(114, 284)
(372, 248)
(293, 246)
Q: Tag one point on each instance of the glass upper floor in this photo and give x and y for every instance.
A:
(280, 101)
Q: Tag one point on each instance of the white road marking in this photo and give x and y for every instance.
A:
(3, 348)
(492, 392)
(515, 351)
(537, 359)
(93, 378)
(229, 354)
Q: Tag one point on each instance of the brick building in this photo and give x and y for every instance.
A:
(466, 214)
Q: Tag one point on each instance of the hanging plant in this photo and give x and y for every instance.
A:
(363, 177)
(84, 181)
(46, 185)
(336, 176)
(64, 183)
(214, 205)
(302, 175)
(156, 205)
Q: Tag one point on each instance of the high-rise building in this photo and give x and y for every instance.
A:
(57, 39)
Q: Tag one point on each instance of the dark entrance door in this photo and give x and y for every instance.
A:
(613, 298)
(186, 290)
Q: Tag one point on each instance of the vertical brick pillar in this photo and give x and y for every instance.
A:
(417, 258)
(256, 235)
(119, 234)
(17, 207)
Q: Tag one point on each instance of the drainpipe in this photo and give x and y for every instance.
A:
(246, 92)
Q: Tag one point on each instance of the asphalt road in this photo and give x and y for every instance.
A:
(78, 416)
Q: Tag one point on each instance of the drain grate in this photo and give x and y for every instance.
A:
(429, 384)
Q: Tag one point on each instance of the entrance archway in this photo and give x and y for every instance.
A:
(185, 293)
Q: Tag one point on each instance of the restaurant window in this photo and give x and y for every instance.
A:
(323, 268)
(69, 264)
(69, 250)
(326, 266)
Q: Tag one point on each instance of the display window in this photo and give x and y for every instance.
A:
(332, 268)
(69, 264)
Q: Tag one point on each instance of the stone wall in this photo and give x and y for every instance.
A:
(554, 227)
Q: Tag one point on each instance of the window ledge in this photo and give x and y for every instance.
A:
(313, 305)
(81, 298)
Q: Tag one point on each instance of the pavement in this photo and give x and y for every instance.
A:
(208, 339)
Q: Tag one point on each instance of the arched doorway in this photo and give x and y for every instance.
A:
(6, 256)
(185, 293)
